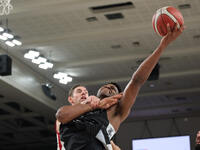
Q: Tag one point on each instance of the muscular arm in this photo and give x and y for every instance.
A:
(143, 72)
(70, 112)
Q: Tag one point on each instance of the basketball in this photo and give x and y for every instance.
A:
(166, 15)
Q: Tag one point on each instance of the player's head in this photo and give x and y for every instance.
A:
(108, 89)
(77, 94)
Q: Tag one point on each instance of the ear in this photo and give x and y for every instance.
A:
(70, 99)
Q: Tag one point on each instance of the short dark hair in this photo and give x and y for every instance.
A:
(71, 91)
(115, 84)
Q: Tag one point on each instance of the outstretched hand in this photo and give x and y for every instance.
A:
(171, 34)
(109, 101)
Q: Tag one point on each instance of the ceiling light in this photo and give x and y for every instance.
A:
(39, 60)
(56, 76)
(9, 43)
(63, 77)
(60, 75)
(35, 61)
(29, 56)
(151, 85)
(43, 66)
(3, 37)
(68, 79)
(65, 80)
(8, 35)
(42, 59)
(62, 81)
(17, 42)
(1, 29)
(34, 53)
(50, 65)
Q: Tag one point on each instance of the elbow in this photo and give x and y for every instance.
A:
(60, 116)
(137, 80)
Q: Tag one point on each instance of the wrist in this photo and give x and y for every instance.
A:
(163, 45)
(89, 107)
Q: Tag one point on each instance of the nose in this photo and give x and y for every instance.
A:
(84, 93)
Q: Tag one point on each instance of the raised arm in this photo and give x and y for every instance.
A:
(143, 72)
(70, 112)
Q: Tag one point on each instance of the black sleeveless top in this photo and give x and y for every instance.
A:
(83, 132)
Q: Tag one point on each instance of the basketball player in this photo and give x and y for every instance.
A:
(116, 114)
(76, 131)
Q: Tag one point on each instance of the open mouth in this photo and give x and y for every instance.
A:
(83, 97)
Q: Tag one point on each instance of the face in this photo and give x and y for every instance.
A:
(79, 95)
(107, 91)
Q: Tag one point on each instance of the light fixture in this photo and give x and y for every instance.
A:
(17, 42)
(1, 29)
(69, 79)
(50, 65)
(48, 92)
(43, 66)
(36, 58)
(63, 77)
(60, 75)
(42, 59)
(8, 35)
(62, 81)
(46, 65)
(35, 61)
(9, 43)
(65, 80)
(56, 76)
(34, 53)
(31, 54)
(151, 85)
(39, 60)
(3, 38)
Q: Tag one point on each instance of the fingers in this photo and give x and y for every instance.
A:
(115, 147)
(118, 96)
(168, 28)
(182, 28)
(176, 27)
(107, 103)
(110, 104)
(94, 101)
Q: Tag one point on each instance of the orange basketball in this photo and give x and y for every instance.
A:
(166, 15)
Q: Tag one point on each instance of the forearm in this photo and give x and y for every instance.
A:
(144, 70)
(138, 79)
(68, 113)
